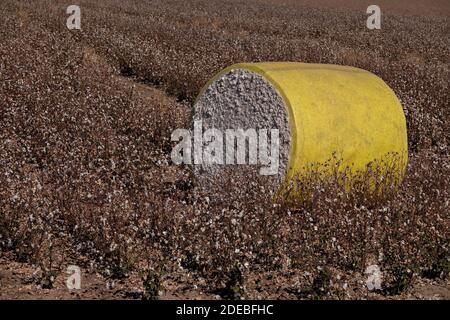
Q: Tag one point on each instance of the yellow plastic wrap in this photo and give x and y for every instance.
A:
(335, 110)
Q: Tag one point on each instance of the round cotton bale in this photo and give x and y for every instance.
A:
(320, 111)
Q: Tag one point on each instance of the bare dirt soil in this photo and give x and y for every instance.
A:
(18, 281)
